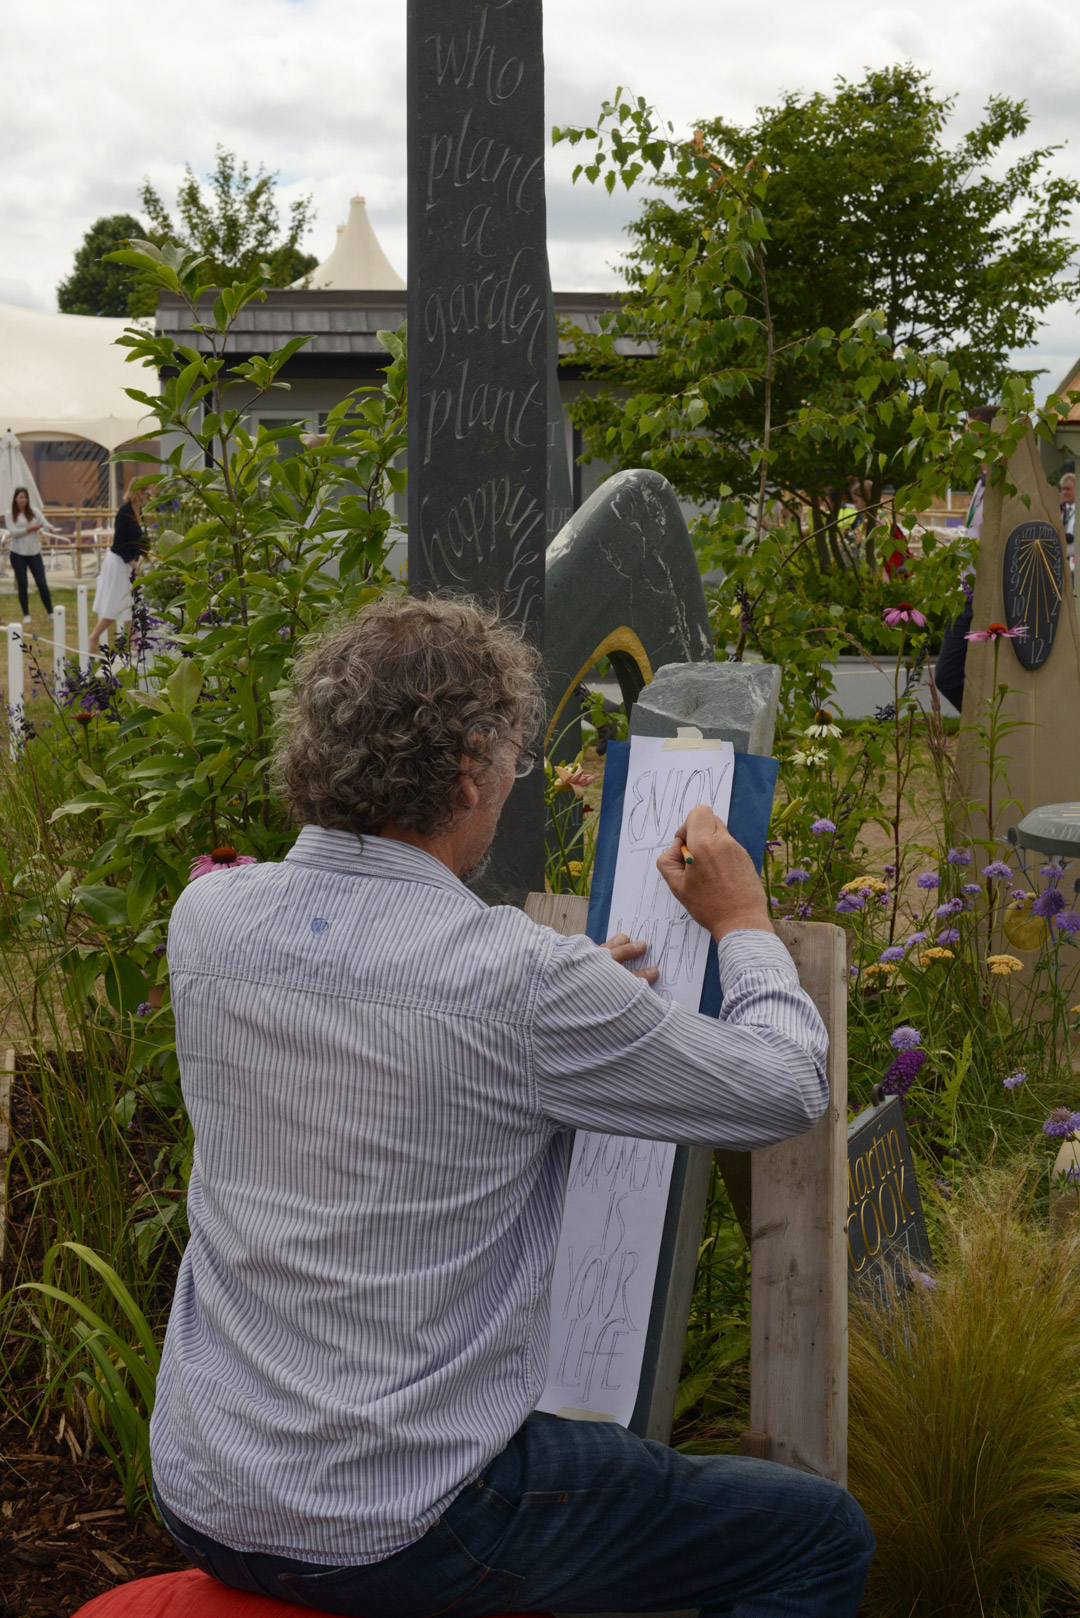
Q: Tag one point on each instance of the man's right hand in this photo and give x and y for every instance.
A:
(721, 889)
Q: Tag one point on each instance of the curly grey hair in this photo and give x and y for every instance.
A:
(384, 707)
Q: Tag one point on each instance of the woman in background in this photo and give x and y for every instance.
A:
(112, 598)
(25, 545)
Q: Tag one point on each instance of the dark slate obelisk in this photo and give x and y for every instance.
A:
(478, 342)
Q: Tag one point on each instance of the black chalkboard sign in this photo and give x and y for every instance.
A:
(886, 1232)
(478, 340)
(478, 303)
(1033, 572)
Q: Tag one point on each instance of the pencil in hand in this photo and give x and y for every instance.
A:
(688, 858)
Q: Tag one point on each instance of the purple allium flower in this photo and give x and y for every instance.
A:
(927, 879)
(1048, 902)
(823, 828)
(1019, 1077)
(972, 888)
(895, 952)
(1061, 1122)
(849, 902)
(948, 935)
(951, 907)
(997, 868)
(958, 856)
(143, 1009)
(1068, 923)
(905, 1038)
(917, 938)
(903, 1072)
(796, 877)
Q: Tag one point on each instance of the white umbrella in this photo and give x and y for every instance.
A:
(15, 474)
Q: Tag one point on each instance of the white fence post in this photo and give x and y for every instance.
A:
(15, 688)
(59, 643)
(82, 597)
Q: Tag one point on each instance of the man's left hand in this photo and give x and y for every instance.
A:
(625, 949)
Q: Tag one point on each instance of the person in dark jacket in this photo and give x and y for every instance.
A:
(112, 598)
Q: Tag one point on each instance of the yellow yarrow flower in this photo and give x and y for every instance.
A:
(574, 868)
(1002, 965)
(878, 967)
(861, 883)
(937, 953)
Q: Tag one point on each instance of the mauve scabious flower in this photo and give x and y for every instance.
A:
(1054, 872)
(774, 901)
(1061, 1122)
(796, 877)
(1048, 902)
(889, 872)
(853, 971)
(972, 888)
(219, 859)
(1068, 923)
(804, 911)
(923, 1278)
(823, 828)
(958, 856)
(895, 952)
(1019, 1077)
(143, 1009)
(1071, 1173)
(951, 907)
(903, 1072)
(998, 869)
(927, 879)
(849, 902)
(917, 938)
(948, 935)
(905, 1038)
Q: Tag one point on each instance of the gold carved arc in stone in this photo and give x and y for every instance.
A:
(622, 639)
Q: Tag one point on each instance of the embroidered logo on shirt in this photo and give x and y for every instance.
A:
(319, 925)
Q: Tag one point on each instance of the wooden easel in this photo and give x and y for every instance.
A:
(798, 1294)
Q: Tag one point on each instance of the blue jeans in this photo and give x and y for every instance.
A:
(584, 1517)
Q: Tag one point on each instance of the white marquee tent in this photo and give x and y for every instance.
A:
(62, 376)
(357, 262)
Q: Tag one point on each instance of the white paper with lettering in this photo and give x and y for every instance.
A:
(617, 1190)
(664, 782)
(605, 1274)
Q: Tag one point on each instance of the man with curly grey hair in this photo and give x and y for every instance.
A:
(382, 1074)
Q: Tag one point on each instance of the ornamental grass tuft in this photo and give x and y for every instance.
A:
(965, 1418)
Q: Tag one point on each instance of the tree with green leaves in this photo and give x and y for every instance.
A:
(97, 287)
(232, 223)
(861, 206)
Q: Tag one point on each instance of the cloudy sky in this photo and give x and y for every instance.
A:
(100, 95)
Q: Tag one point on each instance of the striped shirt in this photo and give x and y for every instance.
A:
(382, 1073)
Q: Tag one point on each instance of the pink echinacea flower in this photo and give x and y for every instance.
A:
(219, 859)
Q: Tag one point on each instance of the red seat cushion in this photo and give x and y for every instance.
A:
(194, 1595)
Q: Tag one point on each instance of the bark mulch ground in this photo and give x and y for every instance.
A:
(64, 1534)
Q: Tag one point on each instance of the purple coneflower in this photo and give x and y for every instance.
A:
(905, 1038)
(927, 879)
(999, 632)
(903, 613)
(219, 859)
